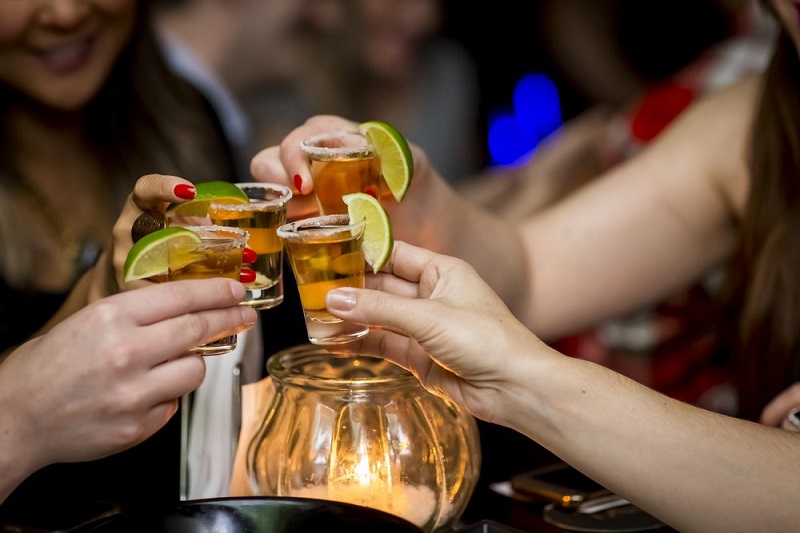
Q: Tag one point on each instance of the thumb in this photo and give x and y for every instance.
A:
(377, 308)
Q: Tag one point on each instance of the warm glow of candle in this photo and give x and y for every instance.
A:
(362, 472)
(415, 504)
(359, 430)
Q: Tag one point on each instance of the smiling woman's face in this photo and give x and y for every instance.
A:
(60, 52)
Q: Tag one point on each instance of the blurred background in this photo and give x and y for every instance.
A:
(591, 51)
(475, 84)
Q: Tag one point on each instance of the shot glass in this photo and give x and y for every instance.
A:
(341, 163)
(260, 218)
(218, 255)
(325, 253)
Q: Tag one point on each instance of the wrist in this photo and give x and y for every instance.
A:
(12, 471)
(16, 463)
(537, 395)
(522, 398)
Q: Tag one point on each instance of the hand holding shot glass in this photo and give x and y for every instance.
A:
(194, 252)
(341, 163)
(217, 255)
(345, 162)
(331, 252)
(258, 208)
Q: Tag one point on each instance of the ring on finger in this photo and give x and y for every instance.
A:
(794, 418)
(146, 223)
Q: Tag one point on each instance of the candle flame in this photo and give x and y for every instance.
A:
(362, 472)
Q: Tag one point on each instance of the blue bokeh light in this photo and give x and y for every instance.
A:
(514, 135)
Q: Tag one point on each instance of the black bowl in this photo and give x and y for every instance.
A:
(258, 514)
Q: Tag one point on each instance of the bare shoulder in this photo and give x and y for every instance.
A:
(736, 113)
(712, 138)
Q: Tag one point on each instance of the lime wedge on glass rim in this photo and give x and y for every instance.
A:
(397, 163)
(378, 240)
(222, 192)
(150, 256)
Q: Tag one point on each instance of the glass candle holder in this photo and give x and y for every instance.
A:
(361, 430)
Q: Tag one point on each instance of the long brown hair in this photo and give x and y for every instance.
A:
(147, 119)
(764, 318)
(153, 121)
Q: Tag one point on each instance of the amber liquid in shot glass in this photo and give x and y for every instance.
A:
(260, 218)
(218, 255)
(341, 163)
(325, 253)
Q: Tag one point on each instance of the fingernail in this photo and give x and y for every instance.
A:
(247, 275)
(341, 300)
(238, 291)
(249, 256)
(794, 417)
(298, 182)
(372, 191)
(249, 316)
(187, 192)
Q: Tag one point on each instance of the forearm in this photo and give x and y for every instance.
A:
(491, 245)
(11, 475)
(15, 465)
(669, 458)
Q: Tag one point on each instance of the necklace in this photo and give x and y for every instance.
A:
(79, 251)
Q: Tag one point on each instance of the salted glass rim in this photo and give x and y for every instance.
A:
(257, 204)
(309, 145)
(238, 234)
(320, 226)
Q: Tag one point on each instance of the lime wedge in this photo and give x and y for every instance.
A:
(397, 163)
(221, 192)
(150, 256)
(378, 240)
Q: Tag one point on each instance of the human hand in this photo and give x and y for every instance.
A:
(443, 323)
(110, 375)
(777, 412)
(153, 193)
(287, 164)
(417, 219)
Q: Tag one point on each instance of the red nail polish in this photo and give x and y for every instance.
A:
(184, 191)
(247, 275)
(298, 182)
(372, 191)
(249, 256)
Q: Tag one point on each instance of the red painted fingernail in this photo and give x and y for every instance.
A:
(184, 191)
(249, 256)
(372, 191)
(247, 275)
(298, 182)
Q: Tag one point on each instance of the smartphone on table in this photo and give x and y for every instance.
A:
(559, 483)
